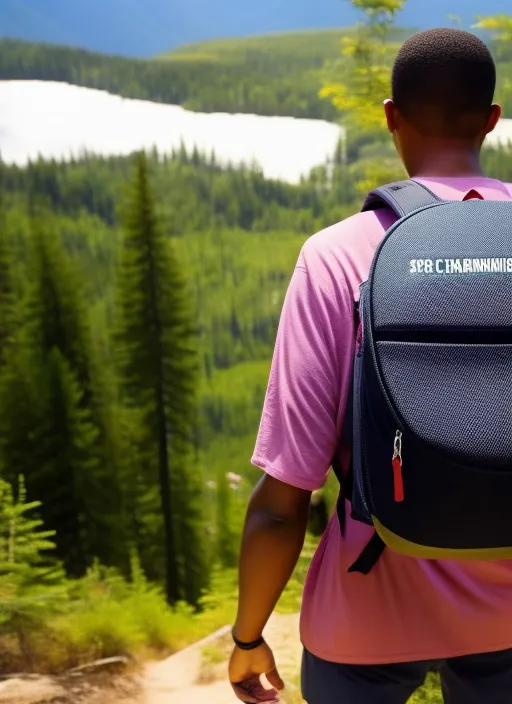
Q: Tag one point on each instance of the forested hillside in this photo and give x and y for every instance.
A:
(268, 75)
(236, 237)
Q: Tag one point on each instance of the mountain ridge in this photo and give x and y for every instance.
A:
(273, 74)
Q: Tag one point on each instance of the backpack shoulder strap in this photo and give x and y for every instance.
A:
(403, 197)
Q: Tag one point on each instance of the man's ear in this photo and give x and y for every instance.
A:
(494, 118)
(390, 112)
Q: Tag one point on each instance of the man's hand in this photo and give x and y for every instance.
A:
(245, 670)
(273, 538)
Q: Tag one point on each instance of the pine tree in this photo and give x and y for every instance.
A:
(7, 298)
(29, 578)
(68, 467)
(159, 371)
(20, 414)
(55, 306)
(194, 564)
(15, 406)
(63, 452)
(24, 562)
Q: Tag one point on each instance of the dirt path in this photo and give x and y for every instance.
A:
(184, 678)
(104, 688)
(174, 681)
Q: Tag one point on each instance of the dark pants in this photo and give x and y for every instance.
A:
(477, 679)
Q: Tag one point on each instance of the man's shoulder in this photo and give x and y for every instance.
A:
(353, 240)
(341, 255)
(358, 231)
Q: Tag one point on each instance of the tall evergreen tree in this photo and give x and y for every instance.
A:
(159, 372)
(16, 402)
(7, 298)
(68, 466)
(62, 453)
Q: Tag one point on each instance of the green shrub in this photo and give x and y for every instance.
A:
(101, 631)
(101, 615)
(104, 615)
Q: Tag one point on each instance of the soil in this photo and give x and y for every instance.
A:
(184, 678)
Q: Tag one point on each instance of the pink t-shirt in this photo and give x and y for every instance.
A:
(405, 609)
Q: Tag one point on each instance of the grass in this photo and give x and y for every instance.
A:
(105, 616)
(213, 660)
(101, 616)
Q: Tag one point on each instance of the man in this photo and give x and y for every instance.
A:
(370, 639)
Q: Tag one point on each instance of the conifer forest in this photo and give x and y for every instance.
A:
(139, 302)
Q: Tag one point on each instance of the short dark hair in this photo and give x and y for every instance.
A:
(444, 81)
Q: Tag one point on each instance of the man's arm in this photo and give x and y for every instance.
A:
(297, 439)
(273, 538)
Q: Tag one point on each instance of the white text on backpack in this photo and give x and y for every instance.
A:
(489, 265)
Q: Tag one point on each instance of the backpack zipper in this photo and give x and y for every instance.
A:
(398, 480)
(361, 478)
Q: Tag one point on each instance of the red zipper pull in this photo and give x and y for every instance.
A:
(398, 479)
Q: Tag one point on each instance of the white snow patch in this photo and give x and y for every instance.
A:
(58, 120)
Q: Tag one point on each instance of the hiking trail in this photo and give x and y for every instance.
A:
(195, 675)
(175, 680)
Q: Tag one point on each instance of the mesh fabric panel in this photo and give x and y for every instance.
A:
(455, 397)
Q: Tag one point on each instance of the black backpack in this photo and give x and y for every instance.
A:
(432, 397)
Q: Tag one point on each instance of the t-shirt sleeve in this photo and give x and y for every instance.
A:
(309, 380)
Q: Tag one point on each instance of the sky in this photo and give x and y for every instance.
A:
(150, 27)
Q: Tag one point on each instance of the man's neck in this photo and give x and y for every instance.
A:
(448, 163)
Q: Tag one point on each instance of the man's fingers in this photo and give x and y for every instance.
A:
(251, 691)
(243, 691)
(275, 680)
(243, 695)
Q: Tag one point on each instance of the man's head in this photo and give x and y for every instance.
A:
(443, 88)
